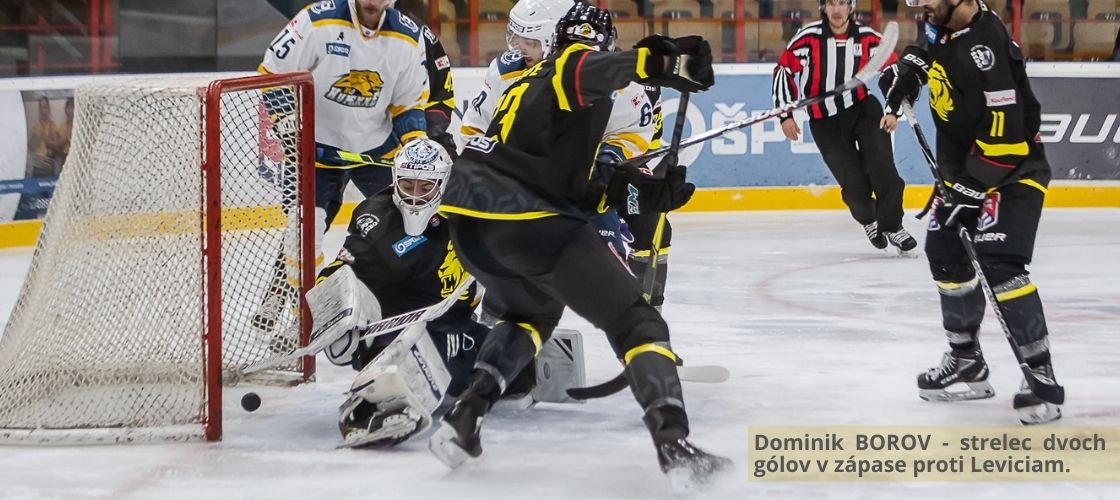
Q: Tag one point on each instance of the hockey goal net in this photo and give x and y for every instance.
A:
(177, 245)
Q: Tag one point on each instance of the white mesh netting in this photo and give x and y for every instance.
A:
(105, 341)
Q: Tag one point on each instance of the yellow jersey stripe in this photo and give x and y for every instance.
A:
(1017, 149)
(648, 348)
(402, 36)
(558, 78)
(451, 209)
(1033, 183)
(334, 22)
(263, 70)
(513, 74)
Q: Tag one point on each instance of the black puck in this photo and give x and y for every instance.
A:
(250, 401)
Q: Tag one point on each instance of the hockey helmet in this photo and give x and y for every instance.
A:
(532, 22)
(420, 170)
(587, 25)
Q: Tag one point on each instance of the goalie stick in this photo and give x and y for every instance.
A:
(869, 71)
(235, 375)
(1044, 388)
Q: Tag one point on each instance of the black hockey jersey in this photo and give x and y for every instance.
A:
(404, 272)
(539, 150)
(986, 115)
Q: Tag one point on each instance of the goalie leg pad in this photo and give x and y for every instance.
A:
(341, 306)
(394, 396)
(559, 367)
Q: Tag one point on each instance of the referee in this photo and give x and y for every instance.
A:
(821, 56)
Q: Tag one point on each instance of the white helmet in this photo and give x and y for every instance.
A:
(536, 20)
(420, 170)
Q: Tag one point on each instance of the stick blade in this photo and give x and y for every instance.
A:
(887, 44)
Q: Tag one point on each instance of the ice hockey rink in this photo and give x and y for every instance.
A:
(815, 326)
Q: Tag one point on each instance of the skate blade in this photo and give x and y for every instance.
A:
(908, 254)
(682, 482)
(684, 479)
(1043, 413)
(974, 390)
(442, 444)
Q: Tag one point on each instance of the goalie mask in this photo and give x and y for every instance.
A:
(587, 25)
(420, 171)
(531, 25)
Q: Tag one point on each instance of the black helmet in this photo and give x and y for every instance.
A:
(587, 25)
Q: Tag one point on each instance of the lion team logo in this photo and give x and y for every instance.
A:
(451, 273)
(940, 98)
(356, 89)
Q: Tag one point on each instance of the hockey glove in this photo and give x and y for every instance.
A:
(961, 207)
(903, 80)
(438, 122)
(689, 66)
(634, 191)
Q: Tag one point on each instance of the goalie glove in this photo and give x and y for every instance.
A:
(634, 191)
(903, 80)
(689, 66)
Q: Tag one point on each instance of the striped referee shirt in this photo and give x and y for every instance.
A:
(816, 61)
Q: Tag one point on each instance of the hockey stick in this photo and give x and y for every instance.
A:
(710, 374)
(649, 278)
(320, 342)
(863, 77)
(1042, 387)
(364, 158)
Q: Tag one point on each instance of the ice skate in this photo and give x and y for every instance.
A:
(1032, 409)
(456, 441)
(902, 241)
(877, 239)
(959, 377)
(689, 468)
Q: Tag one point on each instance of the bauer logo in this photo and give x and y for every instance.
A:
(406, 245)
(338, 49)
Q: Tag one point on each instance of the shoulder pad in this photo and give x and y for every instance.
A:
(329, 9)
(397, 22)
(510, 61)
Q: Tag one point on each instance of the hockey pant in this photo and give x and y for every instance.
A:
(532, 269)
(859, 155)
(1003, 234)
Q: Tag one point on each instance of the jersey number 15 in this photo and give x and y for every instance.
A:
(282, 44)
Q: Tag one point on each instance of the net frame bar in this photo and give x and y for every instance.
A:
(212, 251)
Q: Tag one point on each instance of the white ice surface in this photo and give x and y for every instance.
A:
(815, 326)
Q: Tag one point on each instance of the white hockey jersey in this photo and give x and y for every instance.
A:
(634, 126)
(371, 85)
